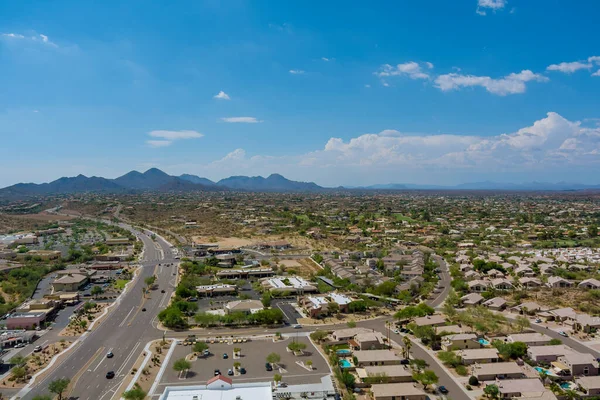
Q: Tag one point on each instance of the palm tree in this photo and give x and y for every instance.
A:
(407, 345)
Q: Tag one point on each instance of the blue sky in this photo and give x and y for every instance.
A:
(338, 92)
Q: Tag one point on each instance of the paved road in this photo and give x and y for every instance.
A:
(444, 282)
(125, 331)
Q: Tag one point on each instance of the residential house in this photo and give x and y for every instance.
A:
(590, 385)
(368, 341)
(528, 308)
(366, 358)
(391, 374)
(563, 314)
(530, 338)
(557, 282)
(578, 364)
(496, 304)
(502, 284)
(461, 341)
(398, 391)
(472, 275)
(479, 356)
(343, 335)
(478, 285)
(524, 271)
(587, 323)
(471, 299)
(547, 354)
(430, 320)
(530, 283)
(494, 273)
(498, 370)
(523, 389)
(589, 284)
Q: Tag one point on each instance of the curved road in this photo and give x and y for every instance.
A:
(124, 331)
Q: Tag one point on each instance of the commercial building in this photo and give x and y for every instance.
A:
(25, 320)
(220, 388)
(289, 284)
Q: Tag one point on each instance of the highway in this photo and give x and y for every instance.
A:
(124, 331)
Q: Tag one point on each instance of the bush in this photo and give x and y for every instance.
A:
(473, 381)
(462, 371)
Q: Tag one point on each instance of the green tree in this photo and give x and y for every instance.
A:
(199, 347)
(406, 348)
(58, 386)
(521, 323)
(266, 299)
(351, 324)
(449, 358)
(592, 231)
(172, 317)
(276, 378)
(333, 308)
(418, 364)
(149, 281)
(19, 373)
(136, 393)
(348, 379)
(181, 365)
(318, 336)
(426, 378)
(492, 391)
(273, 358)
(96, 291)
(296, 346)
(41, 397)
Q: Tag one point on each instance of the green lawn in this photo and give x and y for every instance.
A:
(120, 283)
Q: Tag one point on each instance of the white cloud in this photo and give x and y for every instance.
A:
(411, 69)
(39, 38)
(367, 86)
(222, 96)
(597, 73)
(325, 59)
(242, 120)
(510, 84)
(159, 143)
(168, 137)
(175, 135)
(493, 5)
(569, 67)
(237, 154)
(296, 71)
(594, 59)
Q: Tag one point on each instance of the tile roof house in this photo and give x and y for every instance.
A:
(580, 363)
(480, 356)
(366, 358)
(558, 282)
(460, 341)
(430, 320)
(562, 314)
(589, 284)
(496, 304)
(590, 384)
(586, 323)
(392, 373)
(528, 308)
(502, 284)
(471, 299)
(398, 391)
(521, 388)
(530, 283)
(547, 353)
(342, 335)
(499, 370)
(369, 341)
(530, 338)
(478, 285)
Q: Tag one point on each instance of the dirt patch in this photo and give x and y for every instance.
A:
(223, 241)
(80, 323)
(580, 300)
(35, 362)
(43, 216)
(159, 351)
(341, 318)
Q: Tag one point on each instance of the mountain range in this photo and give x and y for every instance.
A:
(158, 181)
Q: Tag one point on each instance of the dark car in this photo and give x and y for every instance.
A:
(243, 371)
(110, 354)
(162, 291)
(143, 309)
(443, 390)
(268, 367)
(217, 372)
(110, 374)
(405, 362)
(225, 356)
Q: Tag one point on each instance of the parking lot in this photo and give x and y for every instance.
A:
(253, 359)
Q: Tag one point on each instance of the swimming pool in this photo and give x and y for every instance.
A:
(484, 342)
(566, 385)
(547, 371)
(345, 364)
(343, 352)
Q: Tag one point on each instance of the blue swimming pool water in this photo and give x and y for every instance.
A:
(343, 352)
(547, 371)
(484, 342)
(566, 385)
(345, 364)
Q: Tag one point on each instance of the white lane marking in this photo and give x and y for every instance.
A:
(128, 358)
(102, 359)
(127, 316)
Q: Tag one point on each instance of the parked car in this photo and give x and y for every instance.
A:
(20, 345)
(405, 361)
(225, 356)
(563, 333)
(243, 371)
(297, 326)
(268, 367)
(110, 374)
(229, 372)
(443, 390)
(144, 309)
(217, 372)
(537, 320)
